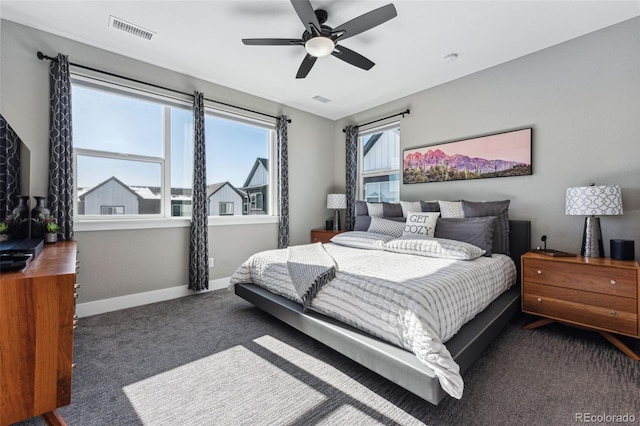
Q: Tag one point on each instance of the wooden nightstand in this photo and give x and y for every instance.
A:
(600, 294)
(323, 236)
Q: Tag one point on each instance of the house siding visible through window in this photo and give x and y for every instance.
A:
(379, 165)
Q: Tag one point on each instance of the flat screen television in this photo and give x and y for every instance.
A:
(15, 168)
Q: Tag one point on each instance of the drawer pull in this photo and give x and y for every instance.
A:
(613, 313)
(75, 295)
(613, 282)
(76, 286)
(539, 272)
(73, 365)
(539, 299)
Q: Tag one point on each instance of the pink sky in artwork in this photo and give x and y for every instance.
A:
(511, 146)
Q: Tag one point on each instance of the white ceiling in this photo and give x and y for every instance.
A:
(203, 39)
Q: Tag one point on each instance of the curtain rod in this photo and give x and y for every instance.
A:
(407, 111)
(42, 56)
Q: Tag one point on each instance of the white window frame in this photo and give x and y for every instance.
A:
(165, 218)
(381, 172)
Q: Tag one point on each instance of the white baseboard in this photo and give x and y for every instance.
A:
(116, 303)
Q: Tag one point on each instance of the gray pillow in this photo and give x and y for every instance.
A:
(430, 206)
(478, 231)
(361, 208)
(499, 209)
(362, 223)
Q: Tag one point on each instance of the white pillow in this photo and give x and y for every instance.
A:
(451, 208)
(410, 206)
(380, 225)
(421, 224)
(375, 209)
(361, 239)
(434, 247)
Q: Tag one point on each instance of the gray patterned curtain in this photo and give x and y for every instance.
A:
(283, 181)
(199, 246)
(352, 175)
(9, 168)
(60, 197)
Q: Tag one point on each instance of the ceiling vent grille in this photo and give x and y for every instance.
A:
(321, 99)
(119, 24)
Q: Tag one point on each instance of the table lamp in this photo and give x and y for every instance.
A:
(592, 201)
(337, 202)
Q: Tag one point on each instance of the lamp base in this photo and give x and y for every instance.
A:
(592, 245)
(336, 220)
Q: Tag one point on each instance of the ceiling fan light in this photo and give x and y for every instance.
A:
(319, 46)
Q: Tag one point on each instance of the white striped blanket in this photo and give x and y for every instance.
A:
(414, 302)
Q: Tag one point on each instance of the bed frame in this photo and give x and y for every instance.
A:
(396, 364)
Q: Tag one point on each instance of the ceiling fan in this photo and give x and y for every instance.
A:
(321, 40)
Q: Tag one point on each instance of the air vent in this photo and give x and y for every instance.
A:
(119, 24)
(321, 99)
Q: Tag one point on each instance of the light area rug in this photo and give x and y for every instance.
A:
(200, 391)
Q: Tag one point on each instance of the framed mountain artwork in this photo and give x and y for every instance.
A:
(498, 155)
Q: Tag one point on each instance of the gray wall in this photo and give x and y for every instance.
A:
(118, 263)
(582, 99)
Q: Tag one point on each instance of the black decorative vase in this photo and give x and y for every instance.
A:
(21, 218)
(37, 218)
(39, 208)
(21, 211)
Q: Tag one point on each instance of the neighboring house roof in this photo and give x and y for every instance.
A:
(370, 143)
(111, 179)
(145, 192)
(215, 187)
(259, 161)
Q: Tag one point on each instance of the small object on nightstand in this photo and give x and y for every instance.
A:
(622, 249)
(551, 252)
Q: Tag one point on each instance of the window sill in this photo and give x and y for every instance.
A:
(124, 224)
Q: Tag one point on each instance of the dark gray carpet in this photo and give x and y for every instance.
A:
(214, 359)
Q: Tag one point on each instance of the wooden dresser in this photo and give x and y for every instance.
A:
(37, 318)
(601, 294)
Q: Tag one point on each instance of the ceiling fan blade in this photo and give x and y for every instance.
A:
(273, 41)
(307, 15)
(367, 21)
(305, 66)
(353, 58)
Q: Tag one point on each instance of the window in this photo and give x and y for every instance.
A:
(379, 165)
(133, 155)
(226, 209)
(239, 154)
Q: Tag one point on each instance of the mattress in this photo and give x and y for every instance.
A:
(414, 302)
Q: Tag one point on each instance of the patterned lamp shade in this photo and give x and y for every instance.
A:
(336, 201)
(594, 200)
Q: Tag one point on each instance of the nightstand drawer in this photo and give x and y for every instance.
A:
(592, 278)
(618, 314)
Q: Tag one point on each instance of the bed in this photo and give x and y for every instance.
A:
(389, 360)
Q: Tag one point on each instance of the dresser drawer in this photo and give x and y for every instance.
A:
(592, 278)
(614, 313)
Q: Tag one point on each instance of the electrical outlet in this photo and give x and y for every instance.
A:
(211, 262)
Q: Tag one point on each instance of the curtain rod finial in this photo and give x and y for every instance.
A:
(40, 55)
